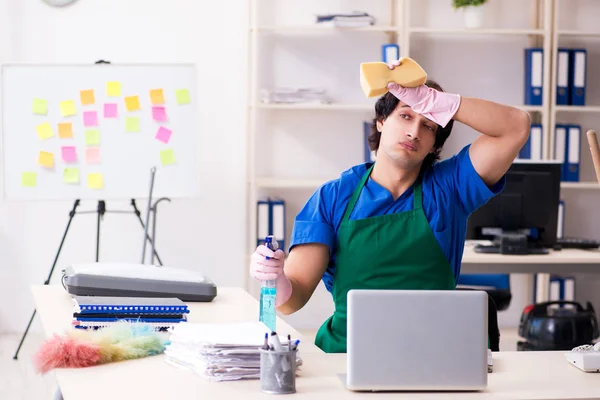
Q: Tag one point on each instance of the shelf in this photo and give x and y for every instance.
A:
(578, 33)
(474, 32)
(578, 108)
(579, 185)
(531, 108)
(317, 106)
(273, 183)
(325, 28)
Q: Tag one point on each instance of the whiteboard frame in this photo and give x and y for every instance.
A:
(100, 195)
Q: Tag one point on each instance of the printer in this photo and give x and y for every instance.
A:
(137, 280)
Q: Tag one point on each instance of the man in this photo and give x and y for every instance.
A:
(399, 223)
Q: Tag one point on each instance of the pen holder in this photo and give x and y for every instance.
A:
(278, 371)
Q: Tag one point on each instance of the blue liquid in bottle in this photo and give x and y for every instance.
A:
(268, 293)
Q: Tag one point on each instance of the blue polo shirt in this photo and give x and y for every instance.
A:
(451, 188)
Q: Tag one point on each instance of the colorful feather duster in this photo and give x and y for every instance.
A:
(86, 348)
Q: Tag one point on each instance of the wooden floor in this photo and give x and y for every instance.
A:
(19, 381)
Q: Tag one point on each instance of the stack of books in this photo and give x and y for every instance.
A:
(220, 352)
(95, 312)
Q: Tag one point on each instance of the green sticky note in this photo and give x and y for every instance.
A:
(39, 107)
(183, 96)
(29, 179)
(71, 175)
(92, 137)
(167, 157)
(132, 124)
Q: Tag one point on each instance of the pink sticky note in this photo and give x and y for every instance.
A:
(90, 118)
(92, 155)
(163, 134)
(69, 154)
(159, 113)
(110, 110)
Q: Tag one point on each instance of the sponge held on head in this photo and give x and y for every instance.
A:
(374, 76)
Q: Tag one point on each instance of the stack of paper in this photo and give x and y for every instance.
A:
(298, 95)
(219, 352)
(354, 19)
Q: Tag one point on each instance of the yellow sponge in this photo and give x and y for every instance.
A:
(374, 76)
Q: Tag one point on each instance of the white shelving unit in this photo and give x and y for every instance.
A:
(554, 109)
(542, 32)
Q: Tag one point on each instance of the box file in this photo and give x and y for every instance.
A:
(390, 52)
(369, 154)
(534, 72)
(271, 221)
(560, 148)
(532, 150)
(562, 77)
(573, 152)
(577, 76)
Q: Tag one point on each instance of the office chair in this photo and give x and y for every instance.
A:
(493, 328)
(497, 287)
(595, 150)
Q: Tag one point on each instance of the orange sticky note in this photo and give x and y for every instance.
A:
(65, 130)
(46, 159)
(87, 97)
(95, 181)
(132, 103)
(157, 96)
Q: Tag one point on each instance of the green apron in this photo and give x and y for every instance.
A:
(395, 251)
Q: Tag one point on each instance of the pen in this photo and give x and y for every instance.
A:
(266, 345)
(296, 344)
(289, 343)
(274, 339)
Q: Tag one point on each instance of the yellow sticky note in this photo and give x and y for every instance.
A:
(29, 179)
(183, 96)
(132, 103)
(87, 97)
(113, 89)
(46, 159)
(92, 137)
(95, 181)
(44, 131)
(71, 175)
(65, 130)
(157, 96)
(67, 108)
(132, 124)
(39, 107)
(167, 157)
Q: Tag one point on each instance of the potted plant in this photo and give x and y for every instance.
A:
(474, 11)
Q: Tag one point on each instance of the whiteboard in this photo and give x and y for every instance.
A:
(111, 157)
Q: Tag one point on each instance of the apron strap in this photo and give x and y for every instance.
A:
(417, 195)
(356, 194)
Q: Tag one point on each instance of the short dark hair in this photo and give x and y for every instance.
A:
(386, 105)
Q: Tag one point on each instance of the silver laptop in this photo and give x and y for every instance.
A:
(417, 340)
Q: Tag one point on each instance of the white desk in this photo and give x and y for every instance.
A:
(562, 261)
(517, 375)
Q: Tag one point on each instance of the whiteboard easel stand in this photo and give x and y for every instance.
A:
(100, 211)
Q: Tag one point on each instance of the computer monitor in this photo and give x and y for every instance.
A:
(523, 218)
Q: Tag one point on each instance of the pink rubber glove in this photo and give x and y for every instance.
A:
(263, 269)
(434, 105)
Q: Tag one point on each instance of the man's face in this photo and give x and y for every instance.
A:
(406, 137)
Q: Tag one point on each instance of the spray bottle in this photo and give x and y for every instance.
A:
(268, 293)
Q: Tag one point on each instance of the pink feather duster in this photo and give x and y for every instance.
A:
(80, 349)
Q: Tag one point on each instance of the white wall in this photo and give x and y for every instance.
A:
(206, 234)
